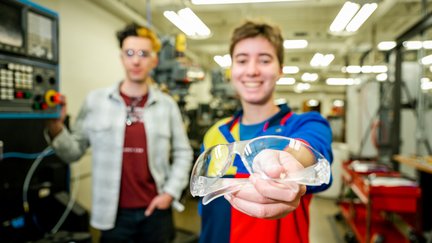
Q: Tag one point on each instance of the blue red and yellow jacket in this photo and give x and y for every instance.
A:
(223, 223)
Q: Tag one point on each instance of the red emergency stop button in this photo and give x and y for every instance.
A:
(19, 94)
(56, 98)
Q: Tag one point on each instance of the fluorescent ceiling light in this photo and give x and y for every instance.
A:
(386, 45)
(409, 45)
(350, 18)
(321, 60)
(290, 69)
(316, 59)
(344, 16)
(412, 45)
(379, 69)
(300, 87)
(427, 60)
(286, 81)
(365, 69)
(187, 21)
(180, 23)
(207, 2)
(223, 61)
(200, 28)
(328, 58)
(352, 69)
(416, 45)
(382, 77)
(295, 44)
(309, 77)
(342, 81)
(427, 44)
(362, 15)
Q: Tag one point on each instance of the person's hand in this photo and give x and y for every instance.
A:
(55, 125)
(267, 198)
(162, 201)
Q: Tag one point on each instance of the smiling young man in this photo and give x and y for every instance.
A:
(141, 154)
(267, 211)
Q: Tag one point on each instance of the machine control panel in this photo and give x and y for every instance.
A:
(28, 88)
(29, 60)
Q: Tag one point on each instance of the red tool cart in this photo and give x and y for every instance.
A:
(376, 193)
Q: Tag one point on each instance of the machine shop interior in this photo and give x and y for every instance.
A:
(375, 91)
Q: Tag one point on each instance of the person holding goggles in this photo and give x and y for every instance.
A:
(276, 158)
(266, 161)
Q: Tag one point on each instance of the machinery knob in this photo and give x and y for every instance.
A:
(52, 98)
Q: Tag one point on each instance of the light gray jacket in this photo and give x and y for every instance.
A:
(101, 125)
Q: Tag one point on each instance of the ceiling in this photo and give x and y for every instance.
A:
(307, 19)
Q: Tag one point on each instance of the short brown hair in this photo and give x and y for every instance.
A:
(251, 29)
(140, 31)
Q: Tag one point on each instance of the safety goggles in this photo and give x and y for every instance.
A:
(209, 175)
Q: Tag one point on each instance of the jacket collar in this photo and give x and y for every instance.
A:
(283, 110)
(154, 93)
(280, 117)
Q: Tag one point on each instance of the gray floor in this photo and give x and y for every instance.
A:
(323, 228)
(322, 213)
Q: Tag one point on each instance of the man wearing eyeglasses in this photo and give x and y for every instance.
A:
(141, 153)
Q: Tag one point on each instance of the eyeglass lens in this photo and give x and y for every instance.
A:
(140, 53)
(217, 160)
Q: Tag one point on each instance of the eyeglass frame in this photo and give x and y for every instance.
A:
(142, 54)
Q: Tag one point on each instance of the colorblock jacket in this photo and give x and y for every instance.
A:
(223, 223)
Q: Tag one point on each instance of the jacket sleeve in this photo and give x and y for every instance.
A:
(71, 145)
(181, 155)
(315, 130)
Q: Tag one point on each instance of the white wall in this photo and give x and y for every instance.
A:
(89, 59)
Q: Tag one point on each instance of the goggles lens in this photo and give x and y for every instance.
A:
(208, 178)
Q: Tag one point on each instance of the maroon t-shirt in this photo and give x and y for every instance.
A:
(137, 185)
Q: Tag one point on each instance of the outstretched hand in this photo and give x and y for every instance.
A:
(267, 198)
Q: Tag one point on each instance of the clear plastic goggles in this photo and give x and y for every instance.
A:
(209, 180)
